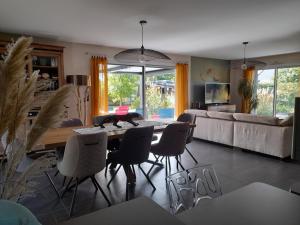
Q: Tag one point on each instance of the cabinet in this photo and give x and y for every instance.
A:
(48, 60)
(222, 108)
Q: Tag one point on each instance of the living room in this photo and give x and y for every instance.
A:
(121, 76)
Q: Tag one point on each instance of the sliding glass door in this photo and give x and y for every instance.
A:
(149, 91)
(287, 90)
(265, 86)
(159, 93)
(276, 90)
(125, 89)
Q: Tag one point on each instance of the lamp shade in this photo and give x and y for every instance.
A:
(79, 80)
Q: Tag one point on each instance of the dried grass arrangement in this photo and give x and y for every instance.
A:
(16, 98)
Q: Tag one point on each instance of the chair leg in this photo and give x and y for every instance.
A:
(188, 151)
(67, 187)
(52, 184)
(113, 176)
(56, 173)
(166, 167)
(179, 163)
(73, 198)
(126, 197)
(152, 166)
(95, 185)
(154, 188)
(106, 167)
(101, 190)
(162, 159)
(170, 169)
(132, 166)
(64, 181)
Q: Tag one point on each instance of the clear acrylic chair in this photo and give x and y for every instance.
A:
(187, 188)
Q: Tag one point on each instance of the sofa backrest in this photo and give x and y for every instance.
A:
(268, 120)
(197, 112)
(220, 115)
(243, 117)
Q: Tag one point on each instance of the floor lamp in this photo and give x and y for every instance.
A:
(80, 81)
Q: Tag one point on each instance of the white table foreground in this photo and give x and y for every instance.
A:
(140, 211)
(254, 204)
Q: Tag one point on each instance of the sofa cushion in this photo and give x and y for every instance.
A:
(220, 115)
(269, 120)
(287, 122)
(197, 112)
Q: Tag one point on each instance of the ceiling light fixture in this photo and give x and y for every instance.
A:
(244, 65)
(141, 55)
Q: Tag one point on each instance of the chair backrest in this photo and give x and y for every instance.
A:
(191, 119)
(173, 139)
(136, 144)
(75, 122)
(187, 188)
(85, 155)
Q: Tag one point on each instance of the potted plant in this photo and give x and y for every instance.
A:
(16, 97)
(246, 91)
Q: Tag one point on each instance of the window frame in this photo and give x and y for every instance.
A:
(143, 74)
(276, 68)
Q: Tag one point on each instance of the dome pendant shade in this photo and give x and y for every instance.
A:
(141, 55)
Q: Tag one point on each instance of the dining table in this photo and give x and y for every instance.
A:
(56, 138)
(254, 204)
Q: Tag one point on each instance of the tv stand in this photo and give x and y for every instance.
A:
(221, 107)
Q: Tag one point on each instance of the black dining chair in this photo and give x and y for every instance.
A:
(191, 119)
(134, 150)
(171, 144)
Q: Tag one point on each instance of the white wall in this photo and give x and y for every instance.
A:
(206, 70)
(77, 61)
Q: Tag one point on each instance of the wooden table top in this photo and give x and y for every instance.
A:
(57, 137)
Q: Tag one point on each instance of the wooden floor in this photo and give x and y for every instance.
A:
(234, 167)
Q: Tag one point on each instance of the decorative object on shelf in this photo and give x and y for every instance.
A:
(250, 63)
(141, 55)
(16, 99)
(77, 81)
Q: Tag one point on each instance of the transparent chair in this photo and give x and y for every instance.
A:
(187, 188)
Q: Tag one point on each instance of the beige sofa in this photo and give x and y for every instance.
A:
(264, 134)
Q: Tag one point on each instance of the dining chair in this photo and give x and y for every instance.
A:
(171, 144)
(84, 157)
(191, 119)
(74, 122)
(134, 150)
(186, 189)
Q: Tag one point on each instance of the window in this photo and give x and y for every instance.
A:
(265, 91)
(276, 90)
(160, 93)
(125, 89)
(149, 91)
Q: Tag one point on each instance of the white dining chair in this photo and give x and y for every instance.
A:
(84, 157)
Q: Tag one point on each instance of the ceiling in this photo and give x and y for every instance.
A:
(205, 28)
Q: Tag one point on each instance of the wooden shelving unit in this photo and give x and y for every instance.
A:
(48, 60)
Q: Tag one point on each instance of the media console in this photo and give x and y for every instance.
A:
(218, 107)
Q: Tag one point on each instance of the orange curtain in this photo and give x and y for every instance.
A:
(246, 102)
(181, 98)
(99, 86)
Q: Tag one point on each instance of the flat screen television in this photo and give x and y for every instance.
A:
(217, 93)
